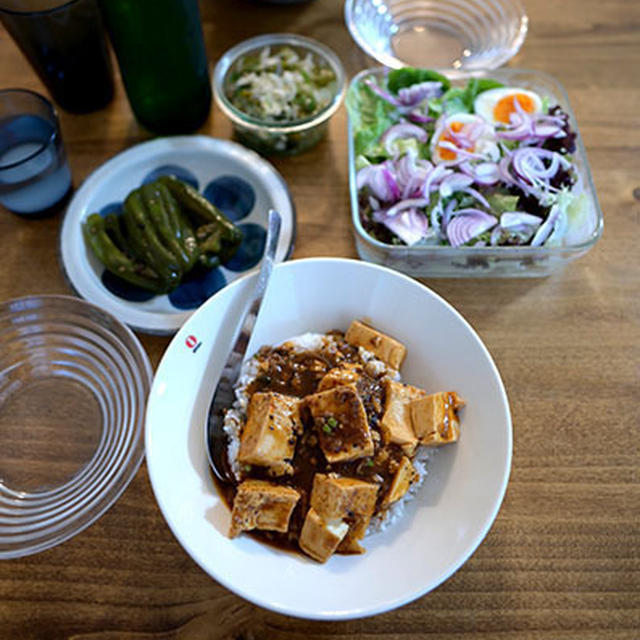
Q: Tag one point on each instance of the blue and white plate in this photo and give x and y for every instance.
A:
(235, 179)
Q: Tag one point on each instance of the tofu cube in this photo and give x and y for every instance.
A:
(341, 424)
(395, 424)
(259, 504)
(404, 476)
(320, 538)
(435, 418)
(347, 374)
(269, 437)
(335, 498)
(383, 347)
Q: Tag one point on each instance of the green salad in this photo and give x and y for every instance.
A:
(479, 165)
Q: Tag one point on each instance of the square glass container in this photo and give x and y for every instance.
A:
(485, 261)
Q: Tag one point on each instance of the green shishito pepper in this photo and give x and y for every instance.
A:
(165, 230)
(205, 213)
(115, 260)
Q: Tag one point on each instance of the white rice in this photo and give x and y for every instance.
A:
(395, 511)
(236, 416)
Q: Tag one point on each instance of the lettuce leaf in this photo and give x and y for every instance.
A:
(407, 76)
(502, 202)
(458, 100)
(370, 117)
(575, 221)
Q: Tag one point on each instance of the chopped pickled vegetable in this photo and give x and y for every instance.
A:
(280, 86)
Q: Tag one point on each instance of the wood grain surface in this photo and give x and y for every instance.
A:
(562, 559)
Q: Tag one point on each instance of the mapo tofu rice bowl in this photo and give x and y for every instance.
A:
(327, 443)
(412, 543)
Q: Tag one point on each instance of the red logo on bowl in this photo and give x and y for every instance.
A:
(192, 343)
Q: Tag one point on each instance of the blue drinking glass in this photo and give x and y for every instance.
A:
(35, 180)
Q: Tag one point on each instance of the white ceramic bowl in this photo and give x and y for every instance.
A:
(453, 509)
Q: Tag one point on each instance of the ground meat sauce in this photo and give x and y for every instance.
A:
(297, 373)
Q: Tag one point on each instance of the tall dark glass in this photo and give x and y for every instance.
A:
(66, 46)
(163, 61)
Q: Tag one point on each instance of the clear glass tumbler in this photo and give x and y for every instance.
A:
(35, 180)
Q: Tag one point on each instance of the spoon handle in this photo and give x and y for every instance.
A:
(224, 395)
(239, 349)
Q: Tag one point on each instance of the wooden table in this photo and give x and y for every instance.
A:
(562, 559)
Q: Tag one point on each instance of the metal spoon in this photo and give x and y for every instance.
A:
(223, 396)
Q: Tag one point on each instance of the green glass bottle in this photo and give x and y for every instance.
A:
(163, 61)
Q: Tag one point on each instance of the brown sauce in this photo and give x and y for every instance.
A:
(298, 374)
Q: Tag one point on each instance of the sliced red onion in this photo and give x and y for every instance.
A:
(378, 185)
(530, 127)
(504, 168)
(545, 229)
(460, 138)
(391, 183)
(453, 183)
(468, 224)
(416, 93)
(409, 225)
(363, 176)
(516, 220)
(409, 97)
(380, 182)
(528, 183)
(469, 211)
(411, 173)
(484, 173)
(462, 153)
(529, 163)
(419, 118)
(435, 215)
(542, 130)
(402, 131)
(471, 131)
(496, 234)
(379, 215)
(446, 214)
(410, 203)
(433, 179)
(478, 196)
(385, 95)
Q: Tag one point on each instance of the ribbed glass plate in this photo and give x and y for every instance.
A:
(456, 36)
(73, 388)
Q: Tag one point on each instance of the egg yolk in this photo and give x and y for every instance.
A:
(507, 105)
(449, 154)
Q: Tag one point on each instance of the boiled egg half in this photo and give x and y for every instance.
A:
(461, 134)
(497, 105)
